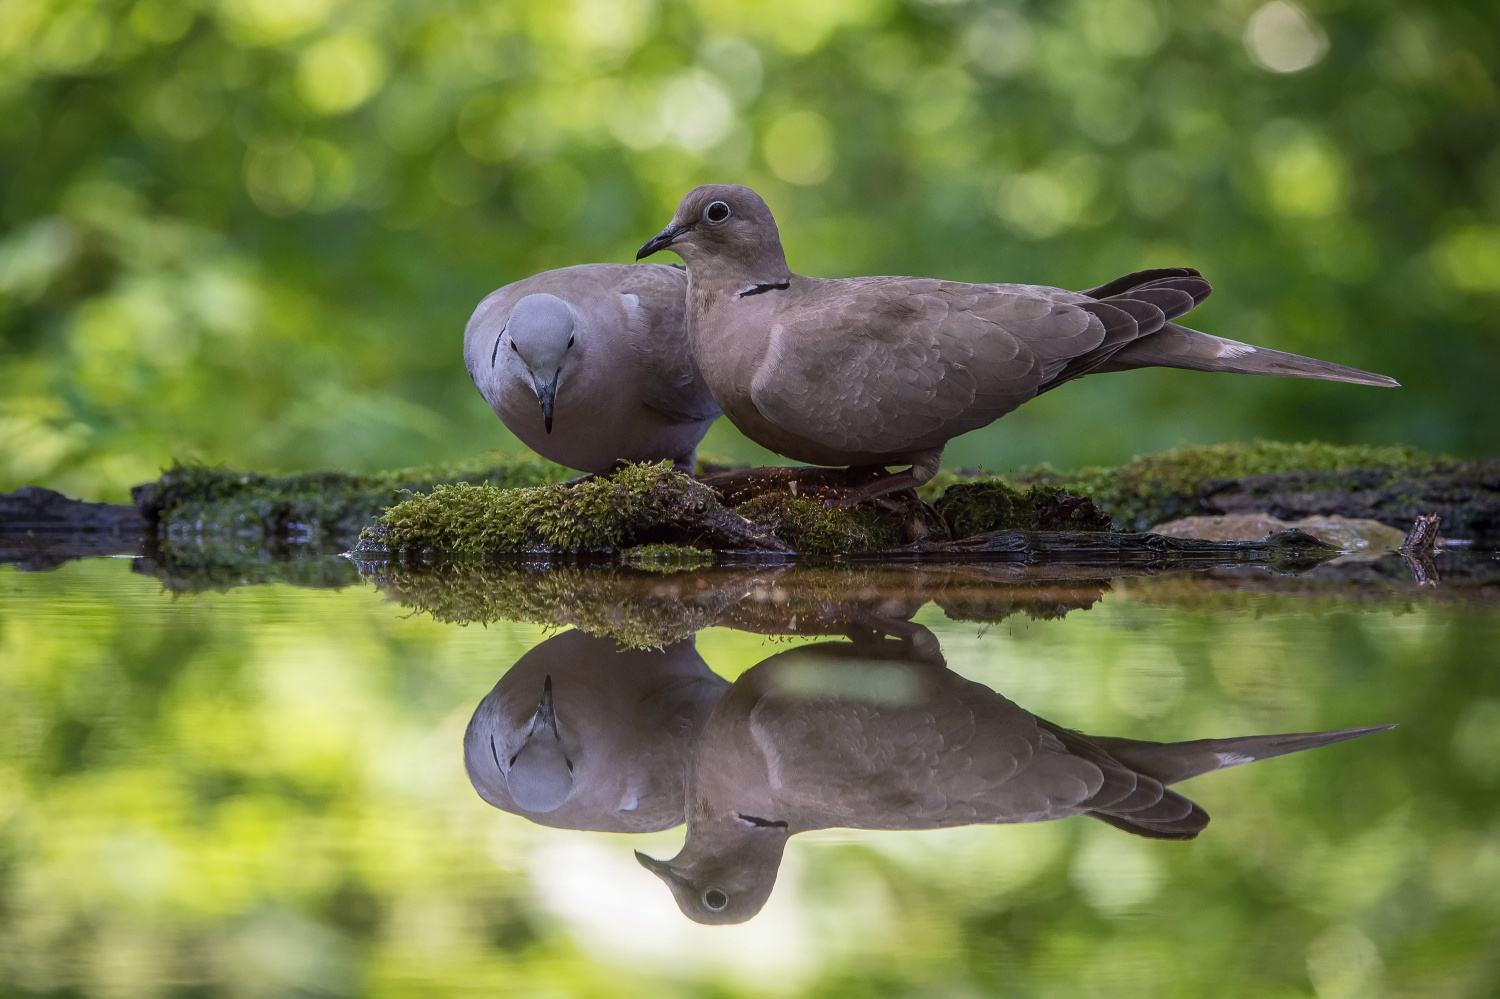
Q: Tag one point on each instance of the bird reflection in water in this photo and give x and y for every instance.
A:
(875, 733)
(583, 734)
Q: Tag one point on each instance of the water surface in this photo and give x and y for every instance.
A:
(261, 790)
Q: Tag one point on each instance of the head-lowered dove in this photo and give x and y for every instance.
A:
(583, 734)
(590, 365)
(878, 371)
(881, 735)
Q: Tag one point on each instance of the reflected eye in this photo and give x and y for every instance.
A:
(716, 212)
(715, 899)
(514, 347)
(571, 338)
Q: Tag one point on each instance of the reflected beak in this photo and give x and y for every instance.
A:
(660, 869)
(546, 394)
(545, 717)
(661, 240)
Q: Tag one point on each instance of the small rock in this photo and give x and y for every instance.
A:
(1347, 533)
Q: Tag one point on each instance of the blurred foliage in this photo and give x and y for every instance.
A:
(261, 793)
(249, 231)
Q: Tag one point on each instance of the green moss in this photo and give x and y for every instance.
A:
(1154, 488)
(637, 609)
(601, 515)
(971, 508)
(666, 558)
(804, 524)
(315, 507)
(224, 565)
(644, 609)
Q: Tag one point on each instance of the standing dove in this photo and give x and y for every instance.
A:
(881, 735)
(590, 365)
(583, 734)
(877, 371)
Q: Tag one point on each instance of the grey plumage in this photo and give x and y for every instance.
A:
(886, 370)
(881, 735)
(583, 734)
(590, 365)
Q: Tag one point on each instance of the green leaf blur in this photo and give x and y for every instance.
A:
(250, 231)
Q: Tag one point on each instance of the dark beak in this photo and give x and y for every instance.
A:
(546, 394)
(660, 869)
(661, 240)
(545, 717)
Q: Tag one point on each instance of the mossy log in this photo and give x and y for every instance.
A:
(193, 502)
(640, 504)
(515, 506)
(1392, 485)
(1466, 495)
(641, 609)
(1291, 550)
(786, 510)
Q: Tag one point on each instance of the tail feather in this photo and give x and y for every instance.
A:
(1175, 346)
(1187, 278)
(1174, 821)
(1170, 762)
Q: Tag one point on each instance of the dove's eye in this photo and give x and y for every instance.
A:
(716, 212)
(716, 899)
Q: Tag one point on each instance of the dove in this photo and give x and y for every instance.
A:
(882, 371)
(879, 734)
(589, 365)
(582, 733)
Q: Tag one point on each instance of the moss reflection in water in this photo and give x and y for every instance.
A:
(261, 792)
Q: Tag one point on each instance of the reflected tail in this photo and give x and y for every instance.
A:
(1170, 762)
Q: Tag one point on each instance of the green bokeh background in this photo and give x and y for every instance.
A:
(250, 231)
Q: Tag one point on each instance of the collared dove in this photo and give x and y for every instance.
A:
(881, 735)
(590, 365)
(877, 371)
(583, 734)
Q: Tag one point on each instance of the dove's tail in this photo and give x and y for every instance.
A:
(1152, 299)
(1175, 346)
(1149, 809)
(1170, 762)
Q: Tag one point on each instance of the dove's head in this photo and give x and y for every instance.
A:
(724, 226)
(726, 869)
(539, 339)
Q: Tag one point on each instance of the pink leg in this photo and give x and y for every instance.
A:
(922, 469)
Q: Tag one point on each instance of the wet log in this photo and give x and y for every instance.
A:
(41, 529)
(1465, 494)
(1291, 549)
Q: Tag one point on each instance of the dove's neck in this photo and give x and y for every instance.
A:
(719, 275)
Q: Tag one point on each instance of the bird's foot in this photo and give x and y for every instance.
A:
(893, 482)
(580, 480)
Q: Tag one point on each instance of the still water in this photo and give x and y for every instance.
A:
(270, 790)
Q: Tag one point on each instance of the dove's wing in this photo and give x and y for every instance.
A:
(654, 297)
(892, 364)
(895, 364)
(921, 749)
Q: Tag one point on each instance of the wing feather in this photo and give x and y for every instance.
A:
(885, 365)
